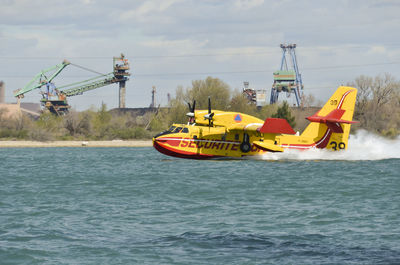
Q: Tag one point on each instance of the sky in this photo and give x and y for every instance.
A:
(169, 43)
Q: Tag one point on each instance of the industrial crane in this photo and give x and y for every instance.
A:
(286, 79)
(55, 98)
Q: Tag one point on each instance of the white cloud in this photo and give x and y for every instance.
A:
(148, 10)
(247, 4)
(177, 45)
(377, 50)
(88, 2)
(242, 34)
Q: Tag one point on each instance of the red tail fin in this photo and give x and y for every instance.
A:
(276, 126)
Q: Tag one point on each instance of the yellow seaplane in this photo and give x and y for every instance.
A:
(216, 134)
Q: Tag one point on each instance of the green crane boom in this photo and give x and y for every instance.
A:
(90, 84)
(41, 79)
(60, 105)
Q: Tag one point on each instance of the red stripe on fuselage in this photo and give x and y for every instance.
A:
(162, 148)
(321, 143)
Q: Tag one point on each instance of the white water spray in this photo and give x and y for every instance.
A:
(361, 146)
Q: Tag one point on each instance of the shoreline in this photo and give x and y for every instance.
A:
(112, 143)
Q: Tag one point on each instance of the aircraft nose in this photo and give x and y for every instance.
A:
(158, 135)
(158, 139)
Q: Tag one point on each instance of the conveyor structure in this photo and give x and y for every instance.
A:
(55, 98)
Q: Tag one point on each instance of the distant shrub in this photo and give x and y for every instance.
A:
(11, 133)
(39, 134)
(141, 133)
(390, 133)
(124, 134)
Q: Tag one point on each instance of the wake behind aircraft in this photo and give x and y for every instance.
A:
(216, 134)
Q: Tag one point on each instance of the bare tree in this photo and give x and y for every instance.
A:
(383, 89)
(364, 85)
(378, 103)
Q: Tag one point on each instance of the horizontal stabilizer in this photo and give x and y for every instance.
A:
(332, 120)
(276, 126)
(268, 147)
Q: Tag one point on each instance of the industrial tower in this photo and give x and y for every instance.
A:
(121, 67)
(153, 98)
(287, 79)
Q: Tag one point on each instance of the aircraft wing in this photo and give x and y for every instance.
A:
(244, 127)
(271, 125)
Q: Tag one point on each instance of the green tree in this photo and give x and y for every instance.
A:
(216, 89)
(16, 126)
(78, 124)
(266, 111)
(101, 123)
(239, 103)
(47, 127)
(284, 112)
(177, 112)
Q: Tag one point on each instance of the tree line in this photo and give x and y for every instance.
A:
(377, 109)
(378, 104)
(86, 125)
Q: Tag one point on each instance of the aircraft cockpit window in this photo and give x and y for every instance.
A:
(177, 129)
(170, 130)
(185, 130)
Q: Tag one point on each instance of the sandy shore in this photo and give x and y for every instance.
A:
(114, 143)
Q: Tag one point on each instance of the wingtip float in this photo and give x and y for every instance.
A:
(214, 134)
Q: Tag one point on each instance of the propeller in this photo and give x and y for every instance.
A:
(190, 114)
(210, 114)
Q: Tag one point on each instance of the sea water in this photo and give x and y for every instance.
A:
(137, 206)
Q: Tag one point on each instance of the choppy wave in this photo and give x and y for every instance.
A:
(130, 206)
(245, 248)
(362, 146)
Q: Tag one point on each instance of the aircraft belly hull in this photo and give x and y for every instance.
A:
(201, 148)
(176, 152)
